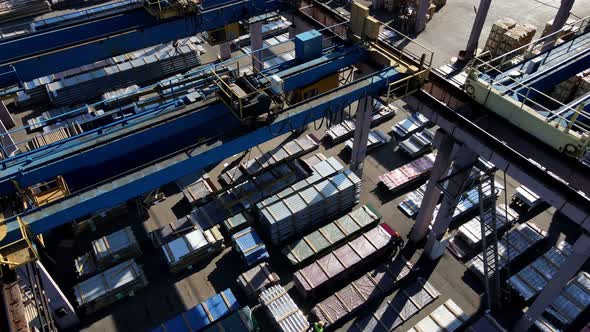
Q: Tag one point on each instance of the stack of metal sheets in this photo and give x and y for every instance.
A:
(199, 191)
(192, 248)
(343, 130)
(237, 223)
(283, 312)
(469, 201)
(517, 242)
(409, 173)
(410, 125)
(108, 250)
(257, 279)
(304, 208)
(110, 286)
(470, 232)
(572, 301)
(376, 139)
(412, 202)
(531, 280)
(405, 304)
(173, 231)
(164, 62)
(331, 236)
(249, 246)
(342, 261)
(417, 143)
(14, 9)
(449, 317)
(239, 321)
(203, 314)
(362, 291)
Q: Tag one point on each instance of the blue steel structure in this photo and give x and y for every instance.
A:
(61, 48)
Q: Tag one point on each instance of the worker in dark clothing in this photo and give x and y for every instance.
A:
(318, 326)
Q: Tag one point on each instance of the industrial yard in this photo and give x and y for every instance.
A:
(261, 165)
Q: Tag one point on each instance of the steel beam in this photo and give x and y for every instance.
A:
(256, 44)
(558, 22)
(364, 112)
(480, 19)
(113, 192)
(420, 24)
(432, 193)
(572, 264)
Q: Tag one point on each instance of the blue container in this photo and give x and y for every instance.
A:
(250, 247)
(308, 45)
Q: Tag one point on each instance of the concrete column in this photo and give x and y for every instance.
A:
(256, 44)
(224, 51)
(455, 187)
(361, 135)
(569, 268)
(6, 117)
(480, 18)
(421, 16)
(432, 194)
(558, 22)
(6, 142)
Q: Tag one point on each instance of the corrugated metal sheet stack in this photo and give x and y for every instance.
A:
(449, 317)
(110, 286)
(376, 139)
(249, 246)
(408, 173)
(192, 248)
(239, 321)
(573, 300)
(520, 239)
(410, 125)
(469, 201)
(199, 191)
(339, 132)
(257, 279)
(470, 232)
(172, 231)
(203, 314)
(309, 206)
(331, 235)
(406, 303)
(418, 143)
(531, 280)
(283, 312)
(343, 261)
(14, 9)
(108, 250)
(362, 291)
(165, 61)
(412, 202)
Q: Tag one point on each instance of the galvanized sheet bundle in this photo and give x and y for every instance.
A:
(162, 63)
(283, 312)
(343, 130)
(449, 317)
(376, 139)
(357, 294)
(15, 9)
(342, 261)
(405, 304)
(470, 232)
(410, 125)
(193, 247)
(257, 279)
(531, 280)
(521, 240)
(572, 301)
(418, 143)
(304, 208)
(110, 286)
(331, 235)
(469, 200)
(198, 191)
(408, 173)
(237, 223)
(249, 246)
(203, 314)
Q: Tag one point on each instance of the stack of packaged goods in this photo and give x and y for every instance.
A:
(189, 249)
(376, 139)
(418, 143)
(257, 279)
(331, 235)
(15, 9)
(250, 247)
(237, 223)
(284, 313)
(408, 173)
(345, 260)
(110, 286)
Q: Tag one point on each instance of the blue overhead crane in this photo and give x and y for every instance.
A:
(64, 47)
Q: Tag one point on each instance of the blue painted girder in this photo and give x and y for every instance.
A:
(48, 52)
(85, 151)
(48, 217)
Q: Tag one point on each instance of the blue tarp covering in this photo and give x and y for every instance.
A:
(250, 247)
